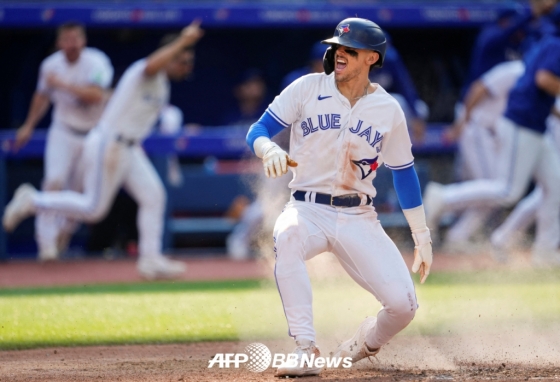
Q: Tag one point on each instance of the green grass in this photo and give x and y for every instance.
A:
(182, 312)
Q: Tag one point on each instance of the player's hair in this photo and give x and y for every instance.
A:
(169, 38)
(70, 25)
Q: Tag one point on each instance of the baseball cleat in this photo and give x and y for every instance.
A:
(160, 267)
(433, 205)
(20, 207)
(48, 254)
(356, 347)
(303, 347)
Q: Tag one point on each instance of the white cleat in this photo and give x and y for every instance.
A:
(48, 254)
(20, 207)
(160, 267)
(433, 205)
(356, 347)
(303, 347)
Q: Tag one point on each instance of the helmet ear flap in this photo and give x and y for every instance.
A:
(328, 60)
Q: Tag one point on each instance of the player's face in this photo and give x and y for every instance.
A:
(181, 66)
(71, 42)
(351, 63)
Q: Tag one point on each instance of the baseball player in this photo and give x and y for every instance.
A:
(342, 128)
(525, 153)
(526, 210)
(485, 102)
(113, 156)
(74, 79)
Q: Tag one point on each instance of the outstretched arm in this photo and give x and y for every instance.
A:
(39, 106)
(161, 57)
(408, 191)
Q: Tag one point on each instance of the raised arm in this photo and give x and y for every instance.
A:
(161, 57)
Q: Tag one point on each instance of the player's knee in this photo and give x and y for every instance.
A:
(53, 184)
(403, 307)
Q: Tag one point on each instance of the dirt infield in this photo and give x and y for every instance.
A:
(433, 359)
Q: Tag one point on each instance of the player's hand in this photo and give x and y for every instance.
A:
(422, 253)
(23, 135)
(276, 161)
(192, 33)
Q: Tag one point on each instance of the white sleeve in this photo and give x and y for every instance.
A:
(286, 107)
(501, 78)
(42, 81)
(396, 148)
(101, 73)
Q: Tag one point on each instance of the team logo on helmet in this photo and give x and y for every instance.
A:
(366, 166)
(344, 28)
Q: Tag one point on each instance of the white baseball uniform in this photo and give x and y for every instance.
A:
(113, 158)
(71, 121)
(478, 144)
(338, 149)
(525, 211)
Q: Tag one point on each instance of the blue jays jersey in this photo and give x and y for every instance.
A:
(528, 105)
(339, 147)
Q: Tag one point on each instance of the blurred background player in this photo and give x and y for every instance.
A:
(75, 80)
(507, 235)
(526, 153)
(315, 65)
(113, 156)
(478, 143)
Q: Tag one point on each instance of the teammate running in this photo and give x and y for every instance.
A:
(526, 153)
(342, 128)
(113, 156)
(74, 79)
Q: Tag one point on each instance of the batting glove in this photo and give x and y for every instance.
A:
(275, 160)
(422, 253)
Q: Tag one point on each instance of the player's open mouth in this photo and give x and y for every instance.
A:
(340, 65)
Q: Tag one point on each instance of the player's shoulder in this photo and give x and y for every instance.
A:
(381, 96)
(54, 59)
(311, 78)
(95, 54)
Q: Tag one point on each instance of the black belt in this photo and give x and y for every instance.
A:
(127, 141)
(350, 200)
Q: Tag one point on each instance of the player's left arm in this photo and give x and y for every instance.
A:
(397, 154)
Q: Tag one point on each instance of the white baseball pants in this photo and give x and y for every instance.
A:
(108, 165)
(526, 210)
(477, 146)
(523, 155)
(364, 250)
(62, 154)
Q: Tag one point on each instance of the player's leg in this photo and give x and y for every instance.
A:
(548, 223)
(61, 153)
(299, 235)
(144, 185)
(372, 259)
(522, 216)
(517, 157)
(478, 150)
(106, 161)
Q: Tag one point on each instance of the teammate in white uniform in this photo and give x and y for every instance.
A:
(113, 156)
(74, 79)
(526, 153)
(485, 103)
(342, 128)
(525, 211)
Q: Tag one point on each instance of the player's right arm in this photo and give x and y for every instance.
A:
(161, 57)
(280, 114)
(476, 93)
(39, 106)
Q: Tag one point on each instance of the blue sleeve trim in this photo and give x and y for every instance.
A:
(277, 117)
(266, 126)
(409, 164)
(407, 187)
